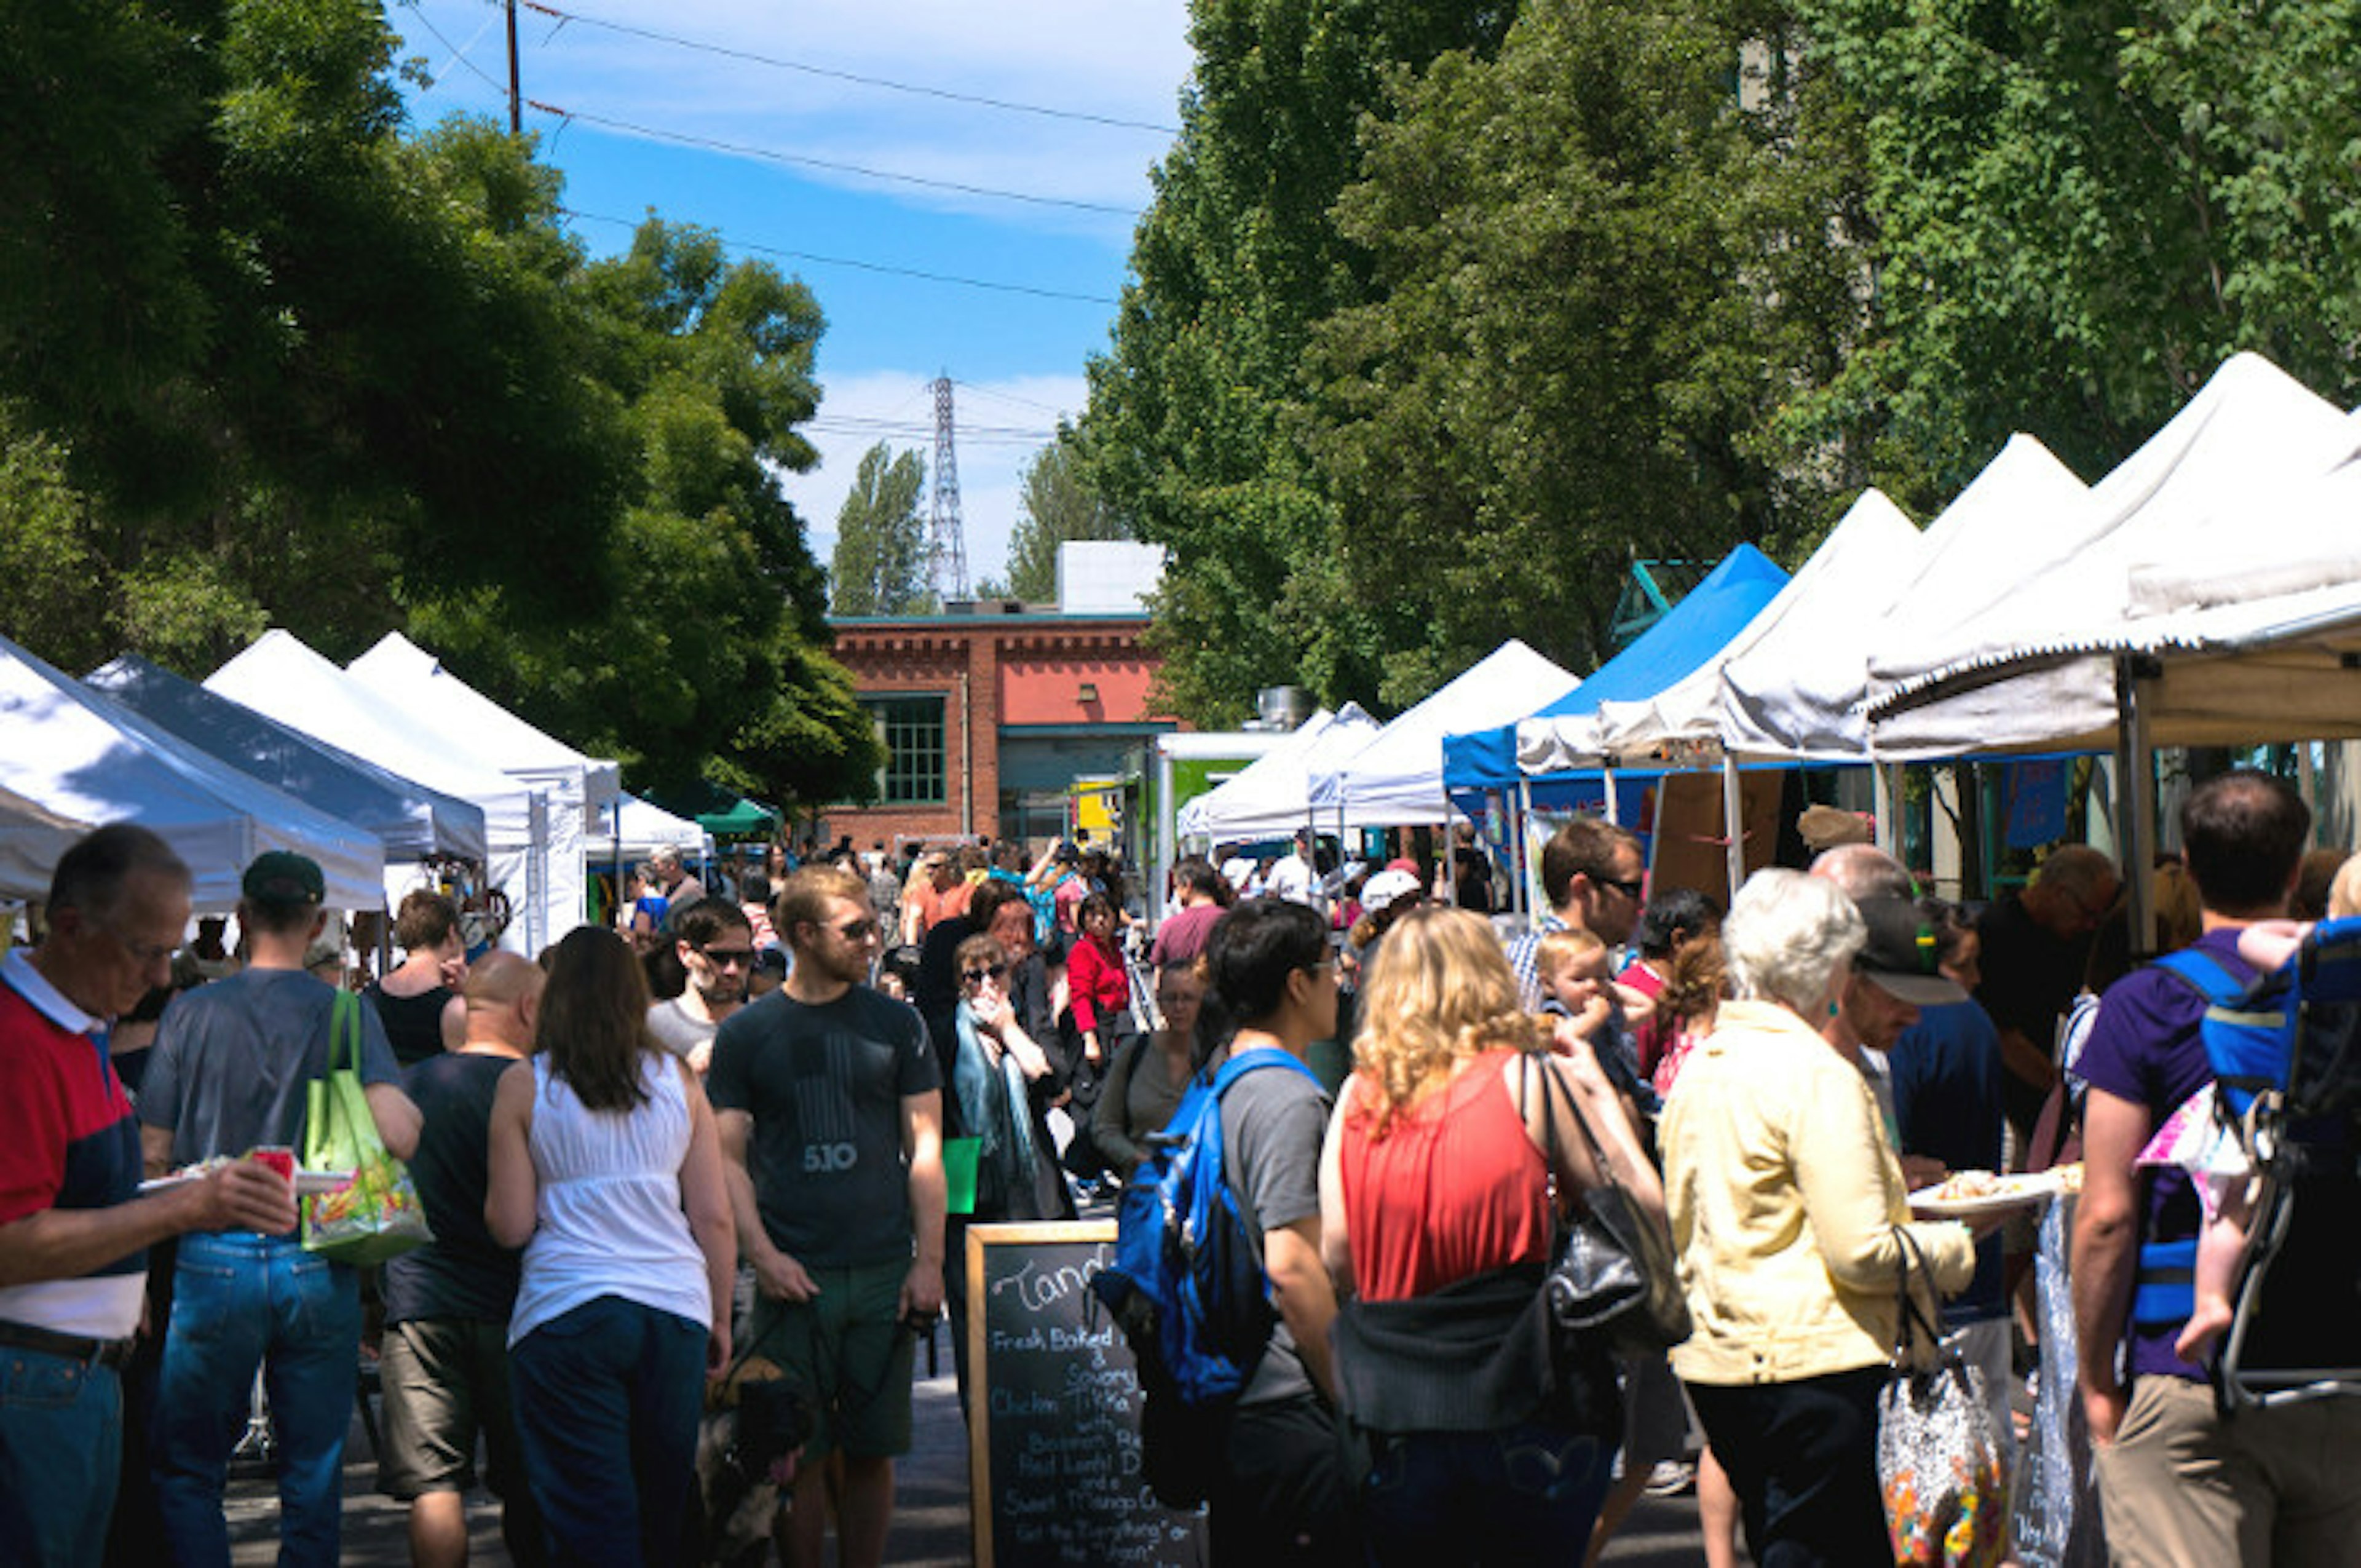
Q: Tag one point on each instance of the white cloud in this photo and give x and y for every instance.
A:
(1012, 419)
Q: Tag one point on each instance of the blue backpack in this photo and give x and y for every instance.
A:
(1187, 1286)
(2286, 1053)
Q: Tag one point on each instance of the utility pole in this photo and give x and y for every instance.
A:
(946, 537)
(516, 99)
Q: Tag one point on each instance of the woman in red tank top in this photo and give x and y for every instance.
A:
(1437, 1222)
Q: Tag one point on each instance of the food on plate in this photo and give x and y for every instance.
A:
(1963, 1185)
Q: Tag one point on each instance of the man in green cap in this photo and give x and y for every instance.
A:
(229, 1073)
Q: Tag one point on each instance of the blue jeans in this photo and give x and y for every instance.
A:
(242, 1301)
(60, 1444)
(1527, 1494)
(608, 1398)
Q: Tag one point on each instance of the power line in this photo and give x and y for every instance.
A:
(944, 93)
(887, 267)
(715, 145)
(459, 53)
(1013, 398)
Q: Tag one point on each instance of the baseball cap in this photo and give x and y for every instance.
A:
(1900, 956)
(283, 876)
(1381, 891)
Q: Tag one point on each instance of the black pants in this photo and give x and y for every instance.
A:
(1803, 1458)
(1285, 1498)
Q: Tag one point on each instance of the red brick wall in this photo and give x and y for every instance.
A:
(1018, 672)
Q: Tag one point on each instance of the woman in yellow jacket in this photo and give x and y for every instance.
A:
(1785, 1199)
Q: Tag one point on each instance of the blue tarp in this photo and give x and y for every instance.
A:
(1692, 632)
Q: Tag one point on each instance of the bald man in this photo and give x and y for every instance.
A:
(446, 1304)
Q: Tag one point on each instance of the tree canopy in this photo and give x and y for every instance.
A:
(1442, 317)
(881, 565)
(270, 359)
(1057, 505)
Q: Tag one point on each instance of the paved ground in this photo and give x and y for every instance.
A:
(930, 1524)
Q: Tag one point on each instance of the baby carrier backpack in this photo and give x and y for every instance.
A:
(2286, 1053)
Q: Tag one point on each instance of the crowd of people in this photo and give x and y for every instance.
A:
(658, 1176)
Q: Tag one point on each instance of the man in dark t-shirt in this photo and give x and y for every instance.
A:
(2180, 1483)
(2036, 945)
(829, 1106)
(445, 1362)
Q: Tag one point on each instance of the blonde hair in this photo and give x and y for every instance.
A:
(1438, 991)
(1566, 942)
(2345, 890)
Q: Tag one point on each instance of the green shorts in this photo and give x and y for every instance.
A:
(444, 1381)
(849, 1354)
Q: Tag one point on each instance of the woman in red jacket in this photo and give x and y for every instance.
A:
(1096, 985)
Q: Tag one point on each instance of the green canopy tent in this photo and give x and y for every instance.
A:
(720, 812)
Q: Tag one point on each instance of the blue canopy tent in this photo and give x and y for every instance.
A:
(1692, 632)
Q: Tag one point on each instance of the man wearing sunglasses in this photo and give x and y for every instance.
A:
(1592, 875)
(716, 943)
(829, 1105)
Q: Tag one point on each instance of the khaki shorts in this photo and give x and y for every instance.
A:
(847, 1352)
(446, 1380)
(2183, 1488)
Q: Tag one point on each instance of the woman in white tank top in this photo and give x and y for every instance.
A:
(606, 1169)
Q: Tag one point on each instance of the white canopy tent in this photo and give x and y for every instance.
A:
(280, 676)
(1809, 628)
(2019, 651)
(80, 757)
(2209, 603)
(410, 819)
(579, 787)
(634, 830)
(1395, 778)
(1273, 796)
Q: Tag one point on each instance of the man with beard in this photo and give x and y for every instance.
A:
(716, 943)
(831, 1114)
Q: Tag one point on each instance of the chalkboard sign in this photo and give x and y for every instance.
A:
(1053, 1410)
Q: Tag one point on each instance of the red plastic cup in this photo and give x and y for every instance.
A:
(278, 1156)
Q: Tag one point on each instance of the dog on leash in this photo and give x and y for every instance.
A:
(755, 1429)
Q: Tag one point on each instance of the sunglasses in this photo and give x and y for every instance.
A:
(977, 976)
(728, 957)
(1631, 890)
(857, 930)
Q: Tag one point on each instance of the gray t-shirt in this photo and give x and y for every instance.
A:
(824, 1087)
(1272, 1123)
(232, 1059)
(676, 1030)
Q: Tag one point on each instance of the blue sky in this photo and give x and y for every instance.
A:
(1018, 359)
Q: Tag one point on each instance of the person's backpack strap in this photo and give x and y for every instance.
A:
(2245, 1044)
(1239, 1065)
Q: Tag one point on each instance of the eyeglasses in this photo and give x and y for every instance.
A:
(728, 957)
(977, 976)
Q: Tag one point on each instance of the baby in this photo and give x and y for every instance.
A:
(1572, 966)
(2198, 1140)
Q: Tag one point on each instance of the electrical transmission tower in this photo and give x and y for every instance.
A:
(946, 537)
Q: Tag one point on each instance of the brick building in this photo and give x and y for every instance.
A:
(990, 712)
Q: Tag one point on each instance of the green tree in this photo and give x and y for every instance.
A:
(1599, 272)
(880, 566)
(1186, 437)
(268, 360)
(2079, 210)
(1058, 505)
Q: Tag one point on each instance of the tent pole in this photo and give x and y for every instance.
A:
(1881, 796)
(1733, 826)
(1524, 904)
(1607, 776)
(2135, 804)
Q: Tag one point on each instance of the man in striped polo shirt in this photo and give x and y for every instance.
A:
(73, 1231)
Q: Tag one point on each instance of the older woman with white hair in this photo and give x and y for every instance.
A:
(1788, 1208)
